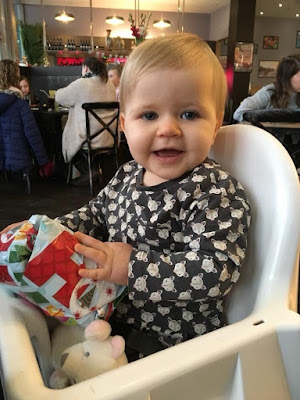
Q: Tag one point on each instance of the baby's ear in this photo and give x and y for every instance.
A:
(219, 122)
(122, 121)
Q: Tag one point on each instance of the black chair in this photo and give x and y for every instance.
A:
(284, 134)
(112, 126)
(25, 178)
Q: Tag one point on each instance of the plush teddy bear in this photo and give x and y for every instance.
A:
(98, 353)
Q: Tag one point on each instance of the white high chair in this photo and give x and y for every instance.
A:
(256, 357)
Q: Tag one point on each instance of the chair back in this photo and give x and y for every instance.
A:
(266, 171)
(284, 125)
(111, 126)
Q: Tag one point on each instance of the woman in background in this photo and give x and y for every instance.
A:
(283, 93)
(19, 134)
(114, 75)
(94, 86)
(25, 89)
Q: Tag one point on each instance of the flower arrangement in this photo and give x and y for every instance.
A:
(139, 32)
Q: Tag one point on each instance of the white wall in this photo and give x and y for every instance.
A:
(286, 29)
(219, 23)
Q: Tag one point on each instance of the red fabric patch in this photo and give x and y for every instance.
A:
(56, 258)
(81, 290)
(5, 277)
(5, 245)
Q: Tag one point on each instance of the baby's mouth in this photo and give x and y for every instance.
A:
(167, 153)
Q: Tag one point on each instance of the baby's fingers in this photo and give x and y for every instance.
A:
(98, 256)
(96, 274)
(89, 241)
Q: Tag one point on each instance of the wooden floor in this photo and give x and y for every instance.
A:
(52, 197)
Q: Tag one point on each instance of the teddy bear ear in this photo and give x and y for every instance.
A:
(118, 346)
(98, 330)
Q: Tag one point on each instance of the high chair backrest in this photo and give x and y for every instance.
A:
(266, 171)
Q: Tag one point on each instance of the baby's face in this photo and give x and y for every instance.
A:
(170, 122)
(24, 87)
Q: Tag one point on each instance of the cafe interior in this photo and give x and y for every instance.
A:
(256, 355)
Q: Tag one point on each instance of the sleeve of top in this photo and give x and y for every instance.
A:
(67, 96)
(215, 241)
(33, 135)
(88, 219)
(259, 101)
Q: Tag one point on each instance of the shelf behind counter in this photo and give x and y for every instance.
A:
(70, 51)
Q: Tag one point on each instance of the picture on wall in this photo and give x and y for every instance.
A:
(243, 57)
(271, 42)
(298, 40)
(267, 69)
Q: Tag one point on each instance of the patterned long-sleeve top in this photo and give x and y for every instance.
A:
(189, 237)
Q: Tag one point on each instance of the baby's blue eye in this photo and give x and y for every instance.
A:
(189, 115)
(149, 116)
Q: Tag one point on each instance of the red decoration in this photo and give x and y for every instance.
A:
(69, 61)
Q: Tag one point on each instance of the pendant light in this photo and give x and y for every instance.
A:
(162, 23)
(114, 20)
(64, 17)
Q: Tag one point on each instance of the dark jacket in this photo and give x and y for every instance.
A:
(20, 137)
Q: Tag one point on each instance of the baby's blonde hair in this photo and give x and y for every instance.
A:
(177, 51)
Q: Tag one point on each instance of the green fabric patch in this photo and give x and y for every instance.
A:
(19, 278)
(18, 254)
(37, 297)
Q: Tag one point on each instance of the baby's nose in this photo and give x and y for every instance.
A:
(169, 127)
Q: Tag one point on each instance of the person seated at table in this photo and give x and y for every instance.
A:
(19, 133)
(25, 88)
(93, 86)
(114, 74)
(283, 93)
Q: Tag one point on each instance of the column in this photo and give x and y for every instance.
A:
(241, 29)
(8, 31)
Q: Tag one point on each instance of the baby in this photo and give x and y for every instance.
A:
(172, 224)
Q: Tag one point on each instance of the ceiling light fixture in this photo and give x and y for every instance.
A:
(64, 17)
(297, 15)
(114, 20)
(280, 4)
(162, 23)
(261, 13)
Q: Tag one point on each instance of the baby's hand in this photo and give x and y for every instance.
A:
(12, 226)
(112, 259)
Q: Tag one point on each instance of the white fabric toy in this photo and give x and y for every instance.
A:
(98, 353)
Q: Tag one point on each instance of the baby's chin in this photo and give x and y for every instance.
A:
(152, 179)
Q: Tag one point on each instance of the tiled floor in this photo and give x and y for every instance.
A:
(52, 197)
